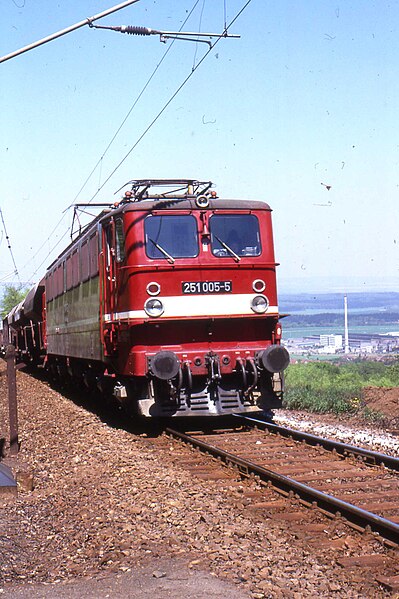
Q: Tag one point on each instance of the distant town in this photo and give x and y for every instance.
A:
(358, 343)
(334, 324)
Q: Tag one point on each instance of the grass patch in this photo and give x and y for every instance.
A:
(325, 387)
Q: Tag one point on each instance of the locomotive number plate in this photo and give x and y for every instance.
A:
(200, 287)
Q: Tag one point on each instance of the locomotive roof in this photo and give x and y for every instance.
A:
(188, 203)
(163, 203)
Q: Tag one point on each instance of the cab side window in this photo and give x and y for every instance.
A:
(119, 240)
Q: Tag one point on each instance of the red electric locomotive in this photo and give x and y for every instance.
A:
(168, 300)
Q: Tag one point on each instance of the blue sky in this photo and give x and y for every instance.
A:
(307, 97)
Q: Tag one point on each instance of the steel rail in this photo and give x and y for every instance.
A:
(329, 504)
(368, 456)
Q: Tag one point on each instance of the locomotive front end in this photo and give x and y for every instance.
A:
(191, 324)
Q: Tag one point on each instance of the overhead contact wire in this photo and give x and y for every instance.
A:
(9, 246)
(50, 252)
(44, 242)
(168, 102)
(106, 149)
(199, 29)
(132, 108)
(143, 134)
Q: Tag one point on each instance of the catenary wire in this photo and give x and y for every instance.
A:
(45, 242)
(199, 29)
(99, 162)
(50, 252)
(9, 246)
(149, 126)
(133, 106)
(152, 123)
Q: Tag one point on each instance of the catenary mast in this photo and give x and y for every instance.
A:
(346, 324)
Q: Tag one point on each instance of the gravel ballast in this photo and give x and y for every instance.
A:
(353, 433)
(111, 502)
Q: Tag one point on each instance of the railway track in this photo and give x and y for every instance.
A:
(341, 480)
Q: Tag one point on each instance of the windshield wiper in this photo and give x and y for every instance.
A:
(164, 252)
(226, 247)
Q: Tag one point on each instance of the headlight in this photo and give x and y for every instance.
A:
(154, 307)
(259, 304)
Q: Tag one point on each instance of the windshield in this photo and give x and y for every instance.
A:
(235, 235)
(170, 237)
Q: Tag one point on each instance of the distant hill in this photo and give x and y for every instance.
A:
(327, 309)
(310, 303)
(329, 319)
(336, 284)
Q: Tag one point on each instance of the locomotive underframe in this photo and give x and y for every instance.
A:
(151, 397)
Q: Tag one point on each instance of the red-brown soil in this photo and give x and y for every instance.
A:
(383, 401)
